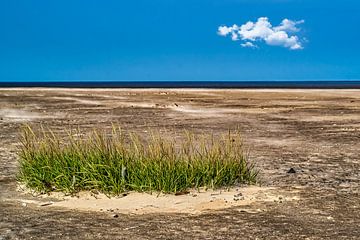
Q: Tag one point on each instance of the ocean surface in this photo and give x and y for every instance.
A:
(346, 84)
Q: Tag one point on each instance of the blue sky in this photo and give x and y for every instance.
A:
(174, 40)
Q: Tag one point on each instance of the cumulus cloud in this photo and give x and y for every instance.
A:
(224, 30)
(283, 35)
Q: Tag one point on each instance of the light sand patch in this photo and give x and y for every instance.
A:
(336, 118)
(201, 112)
(18, 115)
(195, 202)
(109, 95)
(205, 112)
(112, 97)
(111, 101)
(82, 101)
(275, 141)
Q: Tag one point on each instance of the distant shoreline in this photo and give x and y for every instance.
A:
(352, 84)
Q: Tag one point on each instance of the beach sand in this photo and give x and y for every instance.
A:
(315, 132)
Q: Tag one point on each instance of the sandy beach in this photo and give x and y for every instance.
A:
(314, 132)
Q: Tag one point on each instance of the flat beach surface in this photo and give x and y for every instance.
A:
(315, 132)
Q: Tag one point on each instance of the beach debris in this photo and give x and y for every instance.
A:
(250, 210)
(46, 204)
(115, 215)
(239, 196)
(124, 172)
(279, 199)
(23, 204)
(291, 170)
(182, 193)
(215, 194)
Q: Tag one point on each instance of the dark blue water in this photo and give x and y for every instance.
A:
(187, 84)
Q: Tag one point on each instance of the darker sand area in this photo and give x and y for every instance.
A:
(315, 132)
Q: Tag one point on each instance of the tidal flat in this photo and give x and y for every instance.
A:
(305, 143)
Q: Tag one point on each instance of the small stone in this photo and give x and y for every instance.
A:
(238, 195)
(23, 204)
(291, 170)
(115, 216)
(239, 198)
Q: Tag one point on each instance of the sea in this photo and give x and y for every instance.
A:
(303, 84)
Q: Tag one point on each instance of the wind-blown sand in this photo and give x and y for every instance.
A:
(195, 202)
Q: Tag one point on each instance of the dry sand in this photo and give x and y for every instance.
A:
(195, 202)
(316, 132)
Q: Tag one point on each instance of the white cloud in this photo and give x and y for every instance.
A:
(262, 30)
(281, 38)
(248, 44)
(288, 25)
(252, 31)
(234, 36)
(224, 30)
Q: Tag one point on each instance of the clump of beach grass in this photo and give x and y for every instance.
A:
(115, 161)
